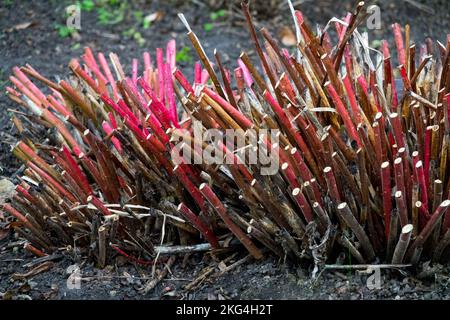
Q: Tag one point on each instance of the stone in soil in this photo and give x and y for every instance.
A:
(6, 190)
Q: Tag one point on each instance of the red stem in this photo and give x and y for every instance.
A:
(398, 132)
(236, 230)
(134, 259)
(46, 177)
(422, 183)
(352, 99)
(77, 172)
(190, 187)
(387, 195)
(197, 222)
(427, 153)
(343, 113)
(303, 204)
(290, 129)
(243, 121)
(332, 186)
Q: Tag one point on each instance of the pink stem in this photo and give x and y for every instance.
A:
(134, 72)
(204, 77)
(347, 19)
(22, 88)
(109, 131)
(58, 106)
(183, 81)
(112, 120)
(171, 53)
(156, 106)
(171, 95)
(147, 61)
(399, 43)
(160, 65)
(247, 76)
(30, 85)
(108, 74)
(197, 73)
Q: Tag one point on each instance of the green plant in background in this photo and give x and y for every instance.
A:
(218, 14)
(184, 55)
(109, 14)
(214, 16)
(75, 46)
(134, 34)
(208, 27)
(87, 5)
(138, 15)
(145, 22)
(64, 31)
(7, 3)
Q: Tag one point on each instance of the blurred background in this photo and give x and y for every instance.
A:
(36, 32)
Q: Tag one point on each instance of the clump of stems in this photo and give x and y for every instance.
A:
(357, 154)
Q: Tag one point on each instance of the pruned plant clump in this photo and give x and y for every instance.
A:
(331, 147)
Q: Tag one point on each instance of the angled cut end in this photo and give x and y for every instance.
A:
(407, 228)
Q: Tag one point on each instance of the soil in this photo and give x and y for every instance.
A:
(269, 279)
(28, 35)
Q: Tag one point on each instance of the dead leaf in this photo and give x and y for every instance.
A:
(153, 17)
(33, 272)
(21, 26)
(288, 37)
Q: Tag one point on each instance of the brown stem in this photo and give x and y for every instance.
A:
(353, 224)
(402, 244)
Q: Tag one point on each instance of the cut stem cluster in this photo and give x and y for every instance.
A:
(361, 159)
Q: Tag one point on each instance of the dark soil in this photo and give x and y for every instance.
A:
(269, 279)
(40, 45)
